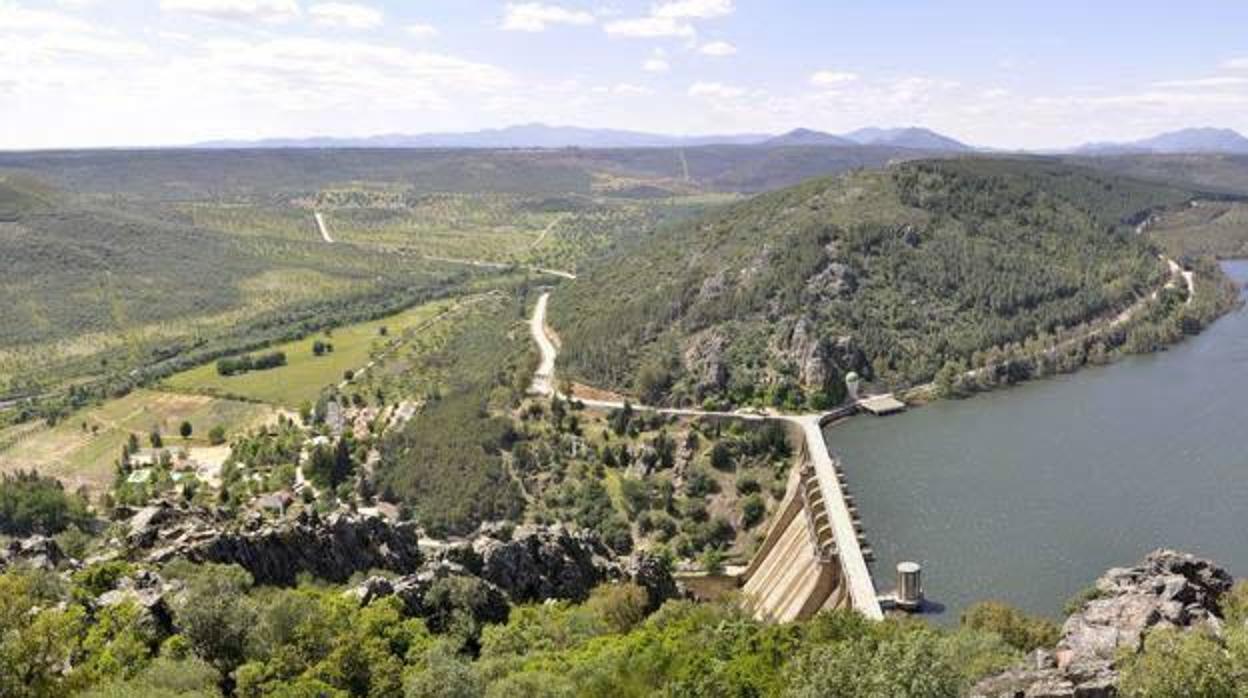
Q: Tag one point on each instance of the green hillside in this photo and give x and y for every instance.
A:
(891, 274)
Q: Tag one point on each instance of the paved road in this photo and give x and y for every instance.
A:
(853, 564)
(320, 224)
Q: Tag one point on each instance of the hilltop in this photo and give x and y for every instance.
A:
(891, 274)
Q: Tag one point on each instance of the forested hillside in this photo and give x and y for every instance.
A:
(891, 274)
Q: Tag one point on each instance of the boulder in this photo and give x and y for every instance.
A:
(37, 552)
(1168, 588)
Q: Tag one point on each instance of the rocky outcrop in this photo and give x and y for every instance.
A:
(436, 592)
(331, 548)
(149, 592)
(1168, 589)
(706, 361)
(38, 552)
(540, 563)
(536, 564)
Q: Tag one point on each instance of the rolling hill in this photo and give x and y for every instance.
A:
(888, 273)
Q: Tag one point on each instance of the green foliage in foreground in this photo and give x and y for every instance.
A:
(230, 638)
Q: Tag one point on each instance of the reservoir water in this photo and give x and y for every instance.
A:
(1027, 495)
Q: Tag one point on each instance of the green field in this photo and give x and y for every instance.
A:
(82, 451)
(305, 374)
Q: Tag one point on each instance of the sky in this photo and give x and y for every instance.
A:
(997, 73)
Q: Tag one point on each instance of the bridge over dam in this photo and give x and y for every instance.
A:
(811, 558)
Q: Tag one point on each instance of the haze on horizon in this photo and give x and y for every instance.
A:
(84, 73)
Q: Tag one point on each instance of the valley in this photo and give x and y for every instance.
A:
(643, 376)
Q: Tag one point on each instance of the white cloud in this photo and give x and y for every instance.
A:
(670, 19)
(1204, 83)
(832, 78)
(257, 10)
(345, 14)
(536, 16)
(421, 30)
(31, 40)
(718, 48)
(716, 90)
(1236, 63)
(693, 9)
(657, 62)
(624, 89)
(651, 28)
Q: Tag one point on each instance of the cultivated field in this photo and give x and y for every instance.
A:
(82, 451)
(305, 374)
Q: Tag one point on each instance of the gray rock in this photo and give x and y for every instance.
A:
(1167, 589)
(705, 361)
(541, 563)
(333, 548)
(36, 552)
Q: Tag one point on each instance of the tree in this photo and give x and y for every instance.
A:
(947, 380)
(318, 348)
(186, 430)
(216, 435)
(32, 503)
(155, 439)
(215, 615)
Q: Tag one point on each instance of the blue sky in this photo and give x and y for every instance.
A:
(1005, 73)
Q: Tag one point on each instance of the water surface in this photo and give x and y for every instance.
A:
(1027, 495)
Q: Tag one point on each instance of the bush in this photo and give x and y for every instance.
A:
(621, 607)
(216, 435)
(753, 509)
(1023, 632)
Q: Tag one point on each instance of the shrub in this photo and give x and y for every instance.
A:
(1023, 632)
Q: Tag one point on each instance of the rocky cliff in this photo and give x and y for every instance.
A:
(1167, 589)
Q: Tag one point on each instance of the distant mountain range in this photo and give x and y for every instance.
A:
(520, 136)
(1191, 140)
(543, 136)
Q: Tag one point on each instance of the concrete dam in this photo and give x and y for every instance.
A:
(811, 559)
